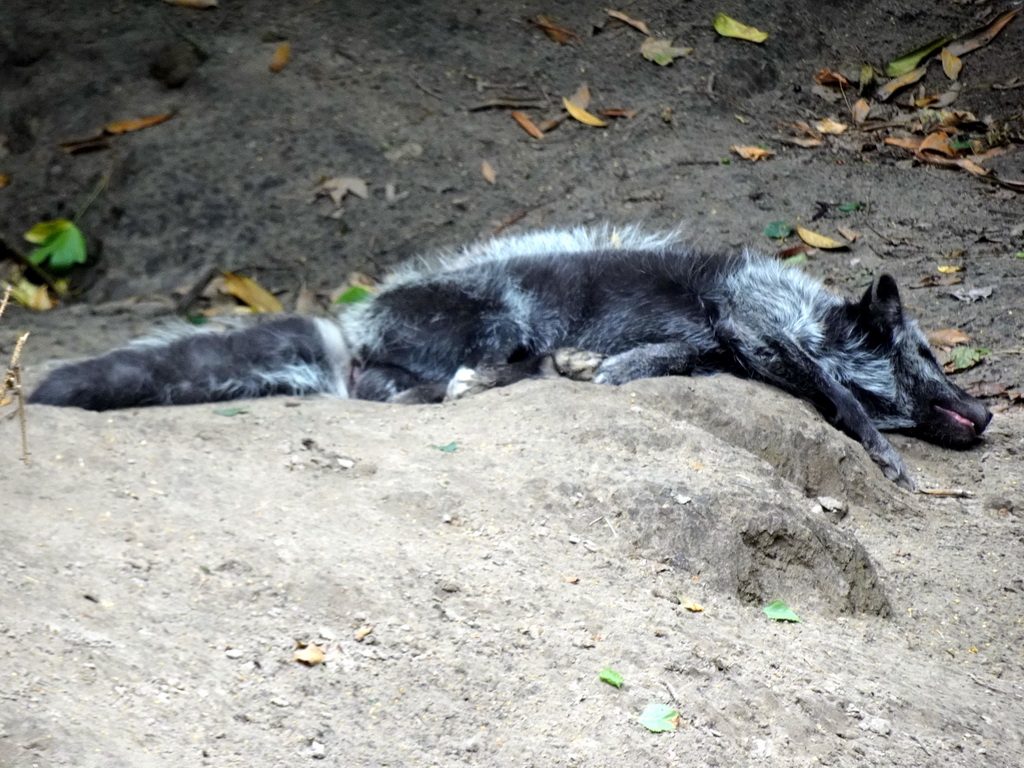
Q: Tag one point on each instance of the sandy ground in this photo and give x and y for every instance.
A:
(161, 567)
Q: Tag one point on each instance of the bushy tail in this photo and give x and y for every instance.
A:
(281, 357)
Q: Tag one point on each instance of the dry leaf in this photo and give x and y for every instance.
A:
(581, 97)
(831, 77)
(632, 22)
(251, 293)
(80, 146)
(30, 295)
(488, 172)
(904, 142)
(980, 37)
(527, 125)
(194, 3)
(860, 111)
(362, 632)
(817, 240)
(556, 33)
(691, 605)
(572, 579)
(661, 51)
(828, 125)
(751, 153)
(848, 233)
(811, 137)
(951, 64)
(948, 269)
(281, 56)
(727, 26)
(310, 655)
(794, 250)
(886, 91)
(627, 113)
(5, 179)
(340, 186)
(949, 337)
(125, 126)
(937, 142)
(582, 115)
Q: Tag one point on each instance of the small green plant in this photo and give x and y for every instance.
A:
(60, 245)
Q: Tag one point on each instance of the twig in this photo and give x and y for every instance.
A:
(955, 493)
(12, 380)
(422, 87)
(508, 104)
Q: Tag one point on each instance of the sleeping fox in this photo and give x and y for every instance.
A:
(640, 303)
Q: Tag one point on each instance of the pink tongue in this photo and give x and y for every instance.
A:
(955, 416)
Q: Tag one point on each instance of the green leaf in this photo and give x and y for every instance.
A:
(847, 207)
(727, 26)
(1019, 254)
(779, 611)
(354, 294)
(659, 717)
(910, 61)
(611, 677)
(60, 243)
(962, 358)
(796, 259)
(450, 448)
(778, 230)
(230, 411)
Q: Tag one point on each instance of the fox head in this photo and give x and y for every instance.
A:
(906, 388)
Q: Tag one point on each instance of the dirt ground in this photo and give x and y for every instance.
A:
(467, 570)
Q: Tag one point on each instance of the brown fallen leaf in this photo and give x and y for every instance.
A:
(938, 281)
(831, 77)
(200, 4)
(81, 146)
(361, 633)
(787, 253)
(124, 126)
(631, 21)
(281, 57)
(948, 337)
(937, 142)
(980, 37)
(886, 91)
(818, 240)
(626, 113)
(904, 142)
(806, 136)
(951, 64)
(527, 125)
(860, 110)
(828, 125)
(552, 30)
(488, 172)
(250, 293)
(848, 233)
(310, 655)
(5, 179)
(751, 153)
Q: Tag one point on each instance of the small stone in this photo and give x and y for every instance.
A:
(234, 653)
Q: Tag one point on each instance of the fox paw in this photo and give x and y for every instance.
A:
(469, 381)
(576, 364)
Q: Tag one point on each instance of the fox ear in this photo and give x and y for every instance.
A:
(881, 304)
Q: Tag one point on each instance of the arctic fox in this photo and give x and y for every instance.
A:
(641, 303)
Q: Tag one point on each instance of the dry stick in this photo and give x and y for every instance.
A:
(12, 380)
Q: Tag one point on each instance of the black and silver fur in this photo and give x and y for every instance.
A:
(644, 305)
